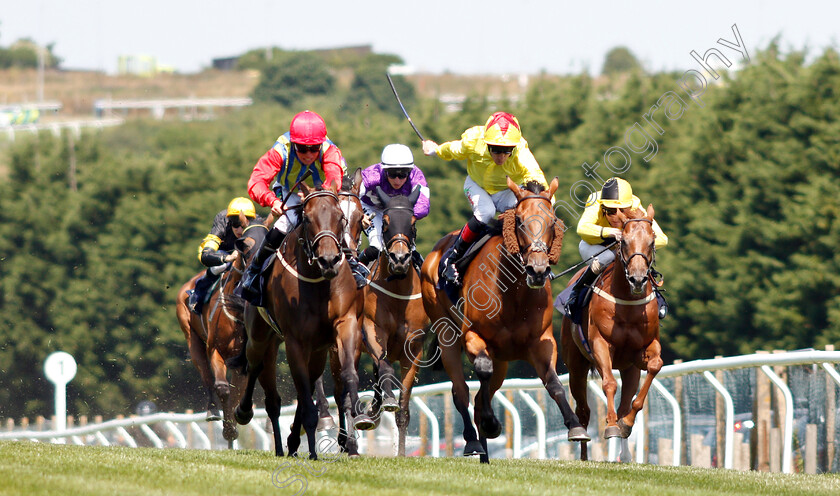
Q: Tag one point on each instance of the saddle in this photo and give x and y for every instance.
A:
(453, 291)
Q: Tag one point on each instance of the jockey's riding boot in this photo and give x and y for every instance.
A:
(202, 284)
(574, 307)
(360, 272)
(417, 260)
(249, 287)
(369, 254)
(470, 233)
(663, 305)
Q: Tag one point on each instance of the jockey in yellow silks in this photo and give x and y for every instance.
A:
(494, 152)
(595, 232)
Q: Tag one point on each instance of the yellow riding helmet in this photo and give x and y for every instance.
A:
(616, 193)
(241, 206)
(502, 129)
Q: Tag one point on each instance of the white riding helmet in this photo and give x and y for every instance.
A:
(397, 156)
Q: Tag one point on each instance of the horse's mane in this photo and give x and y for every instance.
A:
(634, 214)
(400, 201)
(534, 187)
(511, 243)
(346, 184)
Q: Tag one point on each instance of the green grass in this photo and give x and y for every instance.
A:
(39, 468)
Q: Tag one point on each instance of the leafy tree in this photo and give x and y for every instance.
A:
(294, 77)
(618, 60)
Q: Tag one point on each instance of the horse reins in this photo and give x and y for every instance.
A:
(650, 261)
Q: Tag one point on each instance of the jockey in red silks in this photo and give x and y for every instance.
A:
(304, 147)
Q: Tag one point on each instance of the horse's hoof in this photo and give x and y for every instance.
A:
(214, 415)
(243, 417)
(230, 434)
(325, 424)
(390, 405)
(625, 429)
(363, 423)
(473, 448)
(612, 431)
(491, 431)
(578, 434)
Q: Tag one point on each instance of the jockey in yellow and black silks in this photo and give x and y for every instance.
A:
(595, 232)
(216, 249)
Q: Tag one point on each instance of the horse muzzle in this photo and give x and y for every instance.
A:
(535, 277)
(329, 264)
(399, 263)
(637, 284)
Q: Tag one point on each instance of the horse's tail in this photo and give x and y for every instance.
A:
(240, 361)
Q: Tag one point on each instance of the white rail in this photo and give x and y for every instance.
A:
(421, 395)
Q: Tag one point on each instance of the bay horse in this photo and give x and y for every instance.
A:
(311, 296)
(218, 333)
(620, 328)
(394, 313)
(504, 313)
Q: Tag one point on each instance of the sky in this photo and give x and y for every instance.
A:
(435, 36)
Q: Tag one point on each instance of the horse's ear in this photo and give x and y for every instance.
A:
(515, 188)
(553, 186)
(650, 211)
(357, 181)
(382, 196)
(335, 186)
(305, 189)
(415, 194)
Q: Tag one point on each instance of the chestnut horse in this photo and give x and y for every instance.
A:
(218, 333)
(394, 313)
(620, 328)
(311, 295)
(504, 313)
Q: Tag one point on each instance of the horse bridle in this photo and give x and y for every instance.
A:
(346, 216)
(650, 261)
(536, 246)
(304, 238)
(400, 237)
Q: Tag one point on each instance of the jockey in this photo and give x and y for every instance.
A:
(493, 152)
(595, 232)
(304, 146)
(396, 174)
(215, 251)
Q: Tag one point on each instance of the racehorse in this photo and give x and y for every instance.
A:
(504, 313)
(312, 297)
(217, 334)
(620, 329)
(394, 313)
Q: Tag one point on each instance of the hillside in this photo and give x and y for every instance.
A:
(77, 90)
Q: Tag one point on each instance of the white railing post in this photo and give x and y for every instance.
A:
(787, 444)
(730, 418)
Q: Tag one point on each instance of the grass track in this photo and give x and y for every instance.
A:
(38, 468)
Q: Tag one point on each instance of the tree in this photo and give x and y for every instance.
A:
(292, 78)
(618, 60)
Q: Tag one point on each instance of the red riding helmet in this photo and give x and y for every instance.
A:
(308, 128)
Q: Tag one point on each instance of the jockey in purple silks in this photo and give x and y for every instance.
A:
(397, 175)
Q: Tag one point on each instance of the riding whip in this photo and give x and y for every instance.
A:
(394, 89)
(554, 276)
